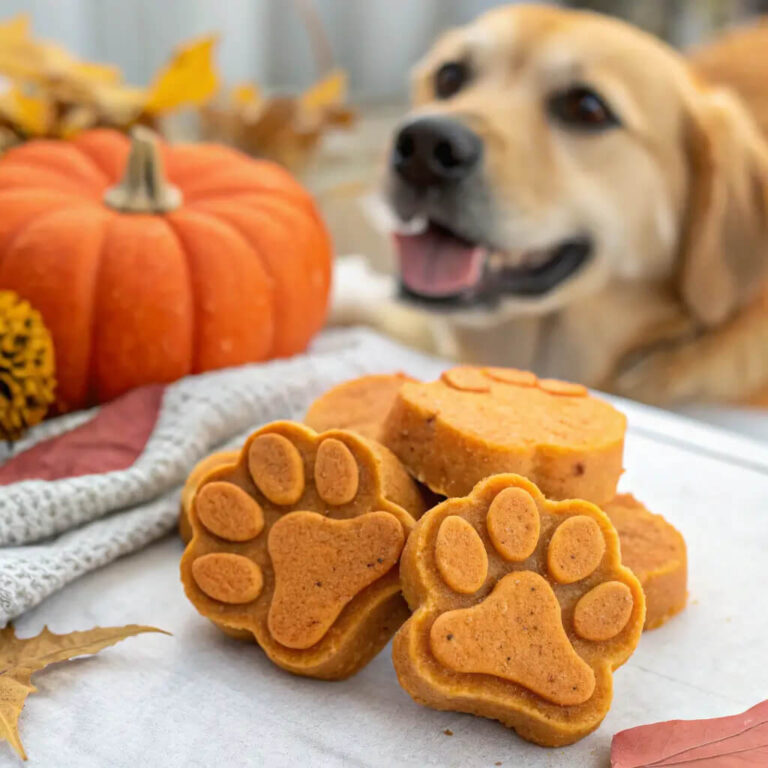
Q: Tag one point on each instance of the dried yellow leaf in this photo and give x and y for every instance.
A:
(189, 78)
(22, 59)
(21, 657)
(331, 90)
(247, 95)
(15, 28)
(31, 113)
(60, 64)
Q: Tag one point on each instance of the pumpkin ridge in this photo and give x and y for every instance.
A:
(68, 185)
(38, 152)
(283, 326)
(91, 395)
(193, 330)
(200, 210)
(318, 294)
(65, 388)
(95, 152)
(142, 310)
(258, 255)
(200, 196)
(248, 175)
(174, 224)
(7, 244)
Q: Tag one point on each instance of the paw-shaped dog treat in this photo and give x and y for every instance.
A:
(298, 544)
(655, 552)
(478, 422)
(360, 405)
(522, 610)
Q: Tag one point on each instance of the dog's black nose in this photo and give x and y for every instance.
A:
(435, 150)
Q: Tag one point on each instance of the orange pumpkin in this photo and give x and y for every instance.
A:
(223, 261)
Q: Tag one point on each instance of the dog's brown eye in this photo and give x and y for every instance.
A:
(450, 79)
(581, 107)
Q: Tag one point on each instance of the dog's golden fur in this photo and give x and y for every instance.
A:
(675, 306)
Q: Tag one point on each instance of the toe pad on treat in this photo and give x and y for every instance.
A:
(575, 550)
(229, 512)
(277, 468)
(603, 612)
(337, 476)
(227, 577)
(460, 555)
(513, 524)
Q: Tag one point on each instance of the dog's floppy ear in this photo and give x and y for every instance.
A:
(724, 246)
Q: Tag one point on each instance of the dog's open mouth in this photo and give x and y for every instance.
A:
(438, 265)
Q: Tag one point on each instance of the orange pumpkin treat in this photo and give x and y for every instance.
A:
(361, 405)
(150, 262)
(655, 551)
(522, 610)
(477, 422)
(198, 473)
(298, 544)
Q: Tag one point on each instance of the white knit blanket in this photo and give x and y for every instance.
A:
(51, 532)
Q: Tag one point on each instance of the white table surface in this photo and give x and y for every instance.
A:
(201, 699)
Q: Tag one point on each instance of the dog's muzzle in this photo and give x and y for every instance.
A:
(438, 185)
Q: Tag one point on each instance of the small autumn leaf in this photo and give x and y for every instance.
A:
(726, 742)
(189, 78)
(15, 28)
(21, 657)
(31, 113)
(329, 91)
(247, 95)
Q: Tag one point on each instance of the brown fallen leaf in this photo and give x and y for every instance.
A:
(722, 742)
(21, 657)
(286, 129)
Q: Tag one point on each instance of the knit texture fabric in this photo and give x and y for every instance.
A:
(51, 532)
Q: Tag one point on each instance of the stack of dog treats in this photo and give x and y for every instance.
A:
(473, 518)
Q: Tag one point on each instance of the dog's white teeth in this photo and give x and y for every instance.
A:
(515, 259)
(537, 258)
(496, 261)
(519, 260)
(415, 226)
(381, 216)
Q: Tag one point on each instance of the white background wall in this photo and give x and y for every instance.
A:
(375, 40)
(265, 40)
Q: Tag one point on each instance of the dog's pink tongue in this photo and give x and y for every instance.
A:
(434, 263)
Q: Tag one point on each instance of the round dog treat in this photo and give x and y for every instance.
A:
(656, 553)
(476, 422)
(297, 544)
(360, 405)
(200, 470)
(499, 636)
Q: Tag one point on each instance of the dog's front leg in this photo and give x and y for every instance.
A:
(728, 365)
(362, 296)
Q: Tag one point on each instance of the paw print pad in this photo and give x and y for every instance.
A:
(298, 542)
(522, 610)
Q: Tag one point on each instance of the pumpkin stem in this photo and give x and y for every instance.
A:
(144, 188)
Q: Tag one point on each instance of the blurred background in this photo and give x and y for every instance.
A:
(317, 85)
(283, 47)
(375, 41)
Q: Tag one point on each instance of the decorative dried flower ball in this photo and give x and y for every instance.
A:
(27, 379)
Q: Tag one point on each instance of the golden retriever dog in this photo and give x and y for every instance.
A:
(576, 197)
